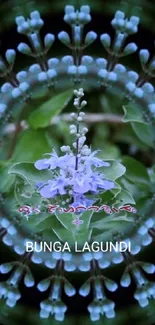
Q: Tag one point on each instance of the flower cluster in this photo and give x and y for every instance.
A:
(54, 305)
(124, 25)
(9, 289)
(145, 290)
(73, 17)
(100, 305)
(77, 172)
(46, 71)
(65, 261)
(10, 293)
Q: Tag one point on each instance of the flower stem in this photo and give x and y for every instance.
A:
(77, 147)
(14, 140)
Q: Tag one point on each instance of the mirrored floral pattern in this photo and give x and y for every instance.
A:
(77, 163)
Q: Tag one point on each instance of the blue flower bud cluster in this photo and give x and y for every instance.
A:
(80, 68)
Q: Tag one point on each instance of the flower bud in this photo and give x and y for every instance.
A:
(119, 41)
(119, 68)
(72, 69)
(125, 280)
(138, 92)
(43, 285)
(16, 92)
(130, 48)
(10, 56)
(105, 39)
(69, 289)
(152, 65)
(29, 280)
(103, 264)
(69, 9)
(24, 48)
(24, 86)
(42, 76)
(152, 108)
(102, 63)
(11, 230)
(2, 108)
(82, 70)
(6, 268)
(51, 73)
(112, 76)
(85, 289)
(111, 285)
(21, 76)
(53, 62)
(83, 103)
(64, 38)
(144, 56)
(67, 59)
(133, 76)
(48, 40)
(86, 59)
(90, 38)
(103, 73)
(69, 266)
(148, 267)
(131, 86)
(35, 68)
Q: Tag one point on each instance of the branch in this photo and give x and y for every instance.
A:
(17, 129)
(88, 118)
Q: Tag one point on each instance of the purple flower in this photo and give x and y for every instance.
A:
(47, 192)
(42, 164)
(106, 185)
(55, 161)
(81, 200)
(67, 179)
(55, 187)
(40, 184)
(91, 160)
(81, 182)
(46, 163)
(66, 161)
(99, 182)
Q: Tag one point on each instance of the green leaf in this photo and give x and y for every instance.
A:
(114, 171)
(42, 117)
(43, 221)
(137, 190)
(127, 135)
(152, 174)
(31, 146)
(125, 197)
(71, 237)
(145, 132)
(110, 195)
(6, 180)
(28, 172)
(133, 113)
(136, 172)
(66, 220)
(112, 222)
(104, 231)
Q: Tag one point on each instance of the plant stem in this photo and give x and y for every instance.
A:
(14, 140)
(77, 147)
